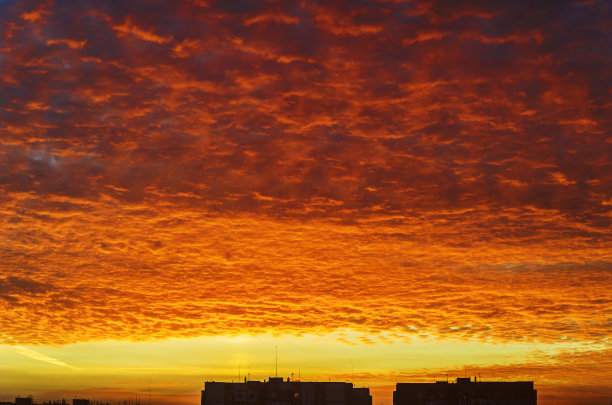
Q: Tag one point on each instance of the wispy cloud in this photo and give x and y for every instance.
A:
(40, 357)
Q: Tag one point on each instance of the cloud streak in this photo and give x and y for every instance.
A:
(32, 354)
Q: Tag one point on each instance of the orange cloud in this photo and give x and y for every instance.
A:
(127, 28)
(68, 42)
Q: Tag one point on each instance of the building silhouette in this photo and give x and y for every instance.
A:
(277, 391)
(465, 392)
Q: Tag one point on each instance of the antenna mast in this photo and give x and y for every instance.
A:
(276, 360)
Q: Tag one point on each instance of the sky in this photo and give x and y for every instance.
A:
(386, 191)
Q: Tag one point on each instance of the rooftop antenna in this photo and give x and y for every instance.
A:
(276, 360)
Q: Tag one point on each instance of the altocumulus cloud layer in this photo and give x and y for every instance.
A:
(397, 168)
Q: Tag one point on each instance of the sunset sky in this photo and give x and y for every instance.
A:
(387, 191)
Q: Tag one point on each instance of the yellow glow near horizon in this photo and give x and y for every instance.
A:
(109, 369)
